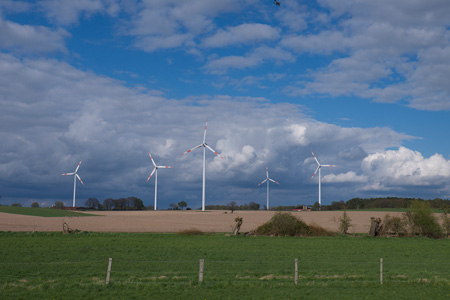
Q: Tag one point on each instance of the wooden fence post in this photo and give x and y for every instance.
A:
(108, 273)
(381, 271)
(200, 272)
(296, 271)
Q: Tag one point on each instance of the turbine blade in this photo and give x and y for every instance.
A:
(78, 167)
(273, 181)
(68, 174)
(79, 179)
(315, 172)
(315, 158)
(151, 174)
(214, 151)
(192, 149)
(328, 165)
(164, 167)
(204, 135)
(262, 182)
(267, 172)
(152, 159)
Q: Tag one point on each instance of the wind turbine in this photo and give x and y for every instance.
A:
(205, 146)
(267, 180)
(75, 176)
(319, 166)
(155, 171)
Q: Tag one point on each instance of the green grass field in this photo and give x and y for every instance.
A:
(165, 266)
(41, 212)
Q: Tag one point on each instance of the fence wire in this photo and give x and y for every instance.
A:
(186, 272)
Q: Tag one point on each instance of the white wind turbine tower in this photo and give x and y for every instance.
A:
(319, 166)
(267, 180)
(205, 146)
(155, 171)
(75, 176)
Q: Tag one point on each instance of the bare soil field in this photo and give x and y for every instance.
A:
(176, 221)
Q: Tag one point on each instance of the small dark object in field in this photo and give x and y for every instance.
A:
(191, 231)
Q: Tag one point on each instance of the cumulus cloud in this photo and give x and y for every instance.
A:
(27, 38)
(396, 171)
(345, 177)
(68, 12)
(295, 16)
(169, 20)
(252, 59)
(241, 34)
(15, 6)
(406, 167)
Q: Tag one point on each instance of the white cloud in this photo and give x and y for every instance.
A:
(31, 39)
(15, 6)
(242, 34)
(345, 177)
(406, 167)
(254, 58)
(324, 42)
(293, 15)
(163, 21)
(68, 12)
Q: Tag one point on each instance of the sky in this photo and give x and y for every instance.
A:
(362, 84)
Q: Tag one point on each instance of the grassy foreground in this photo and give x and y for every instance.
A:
(41, 212)
(165, 266)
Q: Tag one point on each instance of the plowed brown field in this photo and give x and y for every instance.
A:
(175, 221)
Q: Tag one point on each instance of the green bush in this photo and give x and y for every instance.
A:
(285, 224)
(421, 220)
(344, 223)
(445, 219)
(394, 226)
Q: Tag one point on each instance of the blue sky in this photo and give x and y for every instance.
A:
(362, 84)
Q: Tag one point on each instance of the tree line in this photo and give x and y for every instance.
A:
(134, 203)
(129, 203)
(388, 202)
(234, 206)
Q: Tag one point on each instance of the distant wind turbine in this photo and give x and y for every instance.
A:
(205, 146)
(267, 180)
(155, 171)
(75, 176)
(319, 166)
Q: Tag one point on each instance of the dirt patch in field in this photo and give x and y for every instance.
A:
(176, 221)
